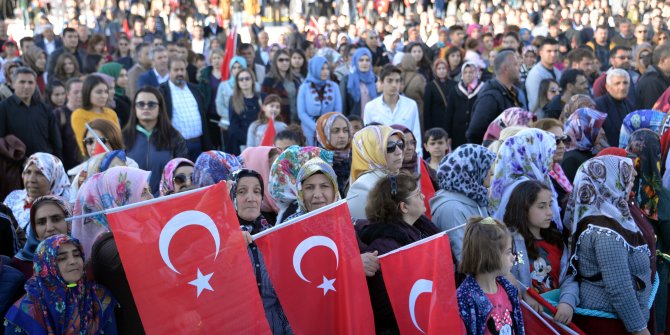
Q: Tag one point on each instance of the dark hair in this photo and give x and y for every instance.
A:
(89, 83)
(72, 81)
(547, 123)
(387, 70)
(49, 90)
(95, 39)
(576, 55)
(108, 130)
(303, 69)
(435, 133)
(548, 41)
(23, 41)
(512, 34)
(662, 51)
(238, 97)
(244, 46)
(91, 63)
(23, 70)
(354, 117)
(274, 70)
(293, 133)
(516, 215)
(69, 30)
(455, 28)
(117, 52)
(484, 242)
(603, 27)
(501, 60)
(139, 48)
(270, 98)
(383, 206)
(618, 48)
(171, 60)
(570, 76)
(166, 135)
(199, 57)
(59, 68)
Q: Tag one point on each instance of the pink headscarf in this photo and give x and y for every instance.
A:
(513, 116)
(258, 159)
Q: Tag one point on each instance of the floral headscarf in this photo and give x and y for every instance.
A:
(258, 159)
(52, 168)
(260, 223)
(601, 188)
(645, 145)
(356, 76)
(113, 188)
(640, 119)
(369, 150)
(284, 172)
(583, 127)
(214, 166)
(514, 116)
(310, 168)
(167, 182)
(50, 306)
(576, 102)
(27, 253)
(464, 171)
(323, 125)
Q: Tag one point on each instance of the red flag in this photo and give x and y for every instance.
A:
(535, 323)
(269, 136)
(187, 265)
(126, 28)
(315, 266)
(231, 51)
(99, 148)
(420, 282)
(426, 187)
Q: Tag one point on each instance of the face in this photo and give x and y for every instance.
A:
(58, 96)
(410, 147)
(641, 32)
(317, 191)
(539, 213)
(618, 88)
(560, 143)
(507, 258)
(417, 53)
(600, 36)
(394, 158)
(160, 60)
(74, 95)
(182, 178)
(325, 72)
(41, 61)
(24, 86)
(581, 85)
(488, 42)
(391, 85)
(178, 73)
(284, 143)
(457, 37)
(283, 62)
(68, 66)
(454, 59)
(441, 71)
(248, 197)
(216, 60)
(35, 182)
(143, 57)
(244, 80)
(99, 95)
(553, 90)
(90, 141)
(364, 63)
(70, 263)
(356, 125)
(621, 60)
(146, 107)
(248, 54)
(510, 42)
(549, 54)
(49, 221)
(339, 134)
(70, 40)
(436, 147)
(182, 53)
(413, 206)
(263, 38)
(468, 75)
(124, 46)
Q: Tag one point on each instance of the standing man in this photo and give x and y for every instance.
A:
(656, 79)
(63, 114)
(70, 43)
(620, 57)
(142, 65)
(572, 82)
(158, 74)
(615, 104)
(369, 39)
(601, 48)
(542, 70)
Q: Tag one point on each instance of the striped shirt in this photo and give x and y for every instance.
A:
(185, 113)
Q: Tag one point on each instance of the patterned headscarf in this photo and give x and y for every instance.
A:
(464, 170)
(310, 168)
(369, 150)
(314, 71)
(323, 125)
(258, 159)
(284, 172)
(52, 168)
(27, 253)
(214, 166)
(514, 116)
(574, 103)
(115, 187)
(601, 188)
(167, 183)
(356, 76)
(50, 306)
(583, 127)
(640, 119)
(645, 146)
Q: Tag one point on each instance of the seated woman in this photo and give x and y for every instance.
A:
(611, 261)
(177, 175)
(394, 210)
(260, 159)
(47, 218)
(334, 132)
(371, 162)
(42, 175)
(61, 300)
(214, 166)
(584, 127)
(464, 177)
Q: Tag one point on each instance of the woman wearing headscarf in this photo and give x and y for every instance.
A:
(461, 100)
(640, 119)
(334, 133)
(377, 151)
(227, 89)
(414, 83)
(36, 59)
(61, 299)
(358, 87)
(611, 256)
(284, 174)
(47, 218)
(513, 116)
(120, 75)
(584, 127)
(576, 102)
(260, 159)
(527, 155)
(435, 96)
(96, 164)
(410, 159)
(42, 175)
(315, 173)
(464, 179)
(317, 96)
(177, 174)
(214, 166)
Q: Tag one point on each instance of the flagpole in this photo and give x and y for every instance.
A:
(421, 241)
(97, 138)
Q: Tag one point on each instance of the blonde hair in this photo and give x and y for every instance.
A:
(483, 245)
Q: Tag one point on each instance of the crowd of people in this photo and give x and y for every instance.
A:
(542, 125)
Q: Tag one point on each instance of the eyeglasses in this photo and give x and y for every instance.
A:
(91, 140)
(414, 194)
(565, 139)
(241, 79)
(146, 105)
(283, 60)
(181, 178)
(392, 145)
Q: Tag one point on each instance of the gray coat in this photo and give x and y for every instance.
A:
(521, 271)
(360, 190)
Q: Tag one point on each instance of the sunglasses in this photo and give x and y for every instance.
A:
(283, 60)
(181, 178)
(244, 79)
(146, 105)
(91, 141)
(555, 90)
(392, 145)
(565, 139)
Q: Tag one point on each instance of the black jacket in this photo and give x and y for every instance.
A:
(616, 112)
(650, 87)
(458, 113)
(492, 100)
(165, 90)
(349, 106)
(435, 102)
(554, 108)
(35, 125)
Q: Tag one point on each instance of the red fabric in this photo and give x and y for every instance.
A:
(126, 28)
(427, 265)
(573, 327)
(665, 146)
(600, 326)
(167, 298)
(269, 136)
(231, 50)
(614, 151)
(501, 312)
(332, 296)
(663, 102)
(99, 148)
(545, 270)
(426, 188)
(534, 324)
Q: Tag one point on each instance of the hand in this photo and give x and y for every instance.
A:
(247, 237)
(370, 263)
(536, 306)
(563, 313)
(642, 332)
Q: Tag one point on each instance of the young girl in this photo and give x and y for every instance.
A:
(271, 108)
(488, 303)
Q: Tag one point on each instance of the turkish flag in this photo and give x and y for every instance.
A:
(535, 323)
(426, 187)
(269, 136)
(419, 279)
(99, 148)
(231, 51)
(188, 266)
(316, 269)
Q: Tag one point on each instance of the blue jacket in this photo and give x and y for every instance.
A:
(310, 109)
(475, 307)
(148, 79)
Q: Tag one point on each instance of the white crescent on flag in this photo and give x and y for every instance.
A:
(305, 246)
(420, 286)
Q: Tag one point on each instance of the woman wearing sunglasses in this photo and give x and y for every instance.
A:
(149, 136)
(562, 185)
(372, 162)
(177, 176)
(244, 107)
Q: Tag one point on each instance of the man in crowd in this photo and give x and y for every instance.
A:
(142, 65)
(369, 39)
(247, 51)
(542, 70)
(620, 57)
(615, 104)
(625, 37)
(656, 79)
(572, 82)
(158, 73)
(70, 44)
(601, 47)
(48, 41)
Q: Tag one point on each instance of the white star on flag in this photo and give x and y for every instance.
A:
(327, 285)
(202, 282)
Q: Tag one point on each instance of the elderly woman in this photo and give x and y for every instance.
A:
(214, 166)
(317, 95)
(317, 187)
(334, 132)
(584, 127)
(260, 159)
(611, 259)
(42, 175)
(177, 176)
(460, 102)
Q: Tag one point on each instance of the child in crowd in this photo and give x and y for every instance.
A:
(292, 135)
(356, 123)
(488, 303)
(436, 142)
(270, 109)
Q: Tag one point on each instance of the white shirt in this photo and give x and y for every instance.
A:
(50, 46)
(406, 113)
(161, 79)
(185, 113)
